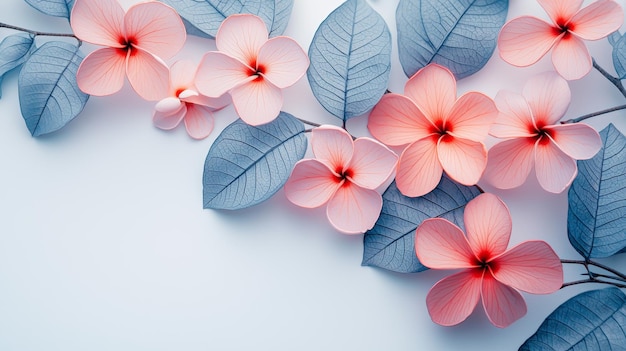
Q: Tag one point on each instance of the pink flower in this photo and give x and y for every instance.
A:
(489, 270)
(443, 133)
(529, 122)
(183, 102)
(525, 40)
(136, 42)
(251, 67)
(344, 174)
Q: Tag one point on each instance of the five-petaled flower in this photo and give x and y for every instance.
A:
(443, 133)
(251, 67)
(529, 122)
(525, 40)
(345, 174)
(183, 102)
(489, 270)
(136, 43)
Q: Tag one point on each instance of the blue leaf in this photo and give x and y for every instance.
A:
(391, 243)
(350, 60)
(597, 200)
(48, 92)
(205, 16)
(458, 34)
(58, 8)
(619, 53)
(246, 165)
(14, 50)
(592, 321)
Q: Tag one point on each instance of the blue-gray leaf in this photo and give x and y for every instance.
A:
(48, 92)
(246, 165)
(58, 8)
(591, 321)
(597, 200)
(619, 53)
(350, 60)
(14, 50)
(391, 243)
(458, 34)
(206, 15)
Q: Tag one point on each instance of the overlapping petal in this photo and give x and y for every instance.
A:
(578, 140)
(219, 73)
(453, 298)
(170, 119)
(333, 146)
(396, 120)
(354, 210)
(282, 61)
(155, 28)
(488, 225)
(439, 244)
(372, 163)
(548, 96)
(419, 170)
(242, 36)
(503, 304)
(571, 58)
(257, 102)
(102, 72)
(509, 162)
(598, 20)
(199, 121)
(525, 40)
(471, 117)
(311, 184)
(433, 90)
(515, 119)
(463, 160)
(148, 75)
(560, 9)
(555, 169)
(98, 22)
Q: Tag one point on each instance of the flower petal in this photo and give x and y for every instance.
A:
(257, 102)
(333, 146)
(560, 10)
(169, 120)
(354, 210)
(102, 72)
(488, 225)
(548, 96)
(555, 169)
(571, 58)
(219, 73)
(509, 163)
(597, 20)
(241, 36)
(439, 244)
(311, 184)
(214, 103)
(453, 298)
(156, 28)
(419, 170)
(525, 40)
(168, 105)
(182, 77)
(579, 141)
(282, 61)
(503, 305)
(531, 266)
(396, 120)
(148, 75)
(98, 22)
(199, 121)
(433, 89)
(372, 163)
(463, 160)
(472, 116)
(515, 119)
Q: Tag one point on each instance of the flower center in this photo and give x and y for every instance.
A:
(563, 27)
(343, 175)
(258, 72)
(128, 44)
(483, 262)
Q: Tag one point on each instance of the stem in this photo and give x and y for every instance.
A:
(592, 281)
(614, 80)
(582, 118)
(309, 123)
(36, 33)
(596, 277)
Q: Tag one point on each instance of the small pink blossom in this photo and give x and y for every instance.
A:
(251, 67)
(529, 122)
(136, 43)
(490, 271)
(442, 133)
(345, 174)
(525, 40)
(184, 103)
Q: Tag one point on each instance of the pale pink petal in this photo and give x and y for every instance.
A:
(525, 40)
(199, 121)
(311, 184)
(214, 103)
(453, 298)
(148, 75)
(515, 119)
(169, 120)
(577, 140)
(472, 116)
(396, 120)
(509, 163)
(597, 20)
(503, 305)
(463, 160)
(333, 146)
(439, 244)
(488, 225)
(98, 22)
(219, 73)
(548, 96)
(531, 266)
(182, 77)
(257, 102)
(282, 61)
(168, 105)
(433, 89)
(571, 58)
(102, 72)
(555, 169)
(560, 11)
(419, 170)
(372, 163)
(156, 28)
(354, 210)
(241, 36)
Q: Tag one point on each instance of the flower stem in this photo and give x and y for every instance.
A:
(37, 33)
(308, 123)
(597, 277)
(614, 80)
(582, 118)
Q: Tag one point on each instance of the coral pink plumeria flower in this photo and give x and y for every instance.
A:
(345, 174)
(443, 133)
(529, 123)
(251, 67)
(184, 103)
(136, 43)
(490, 271)
(525, 40)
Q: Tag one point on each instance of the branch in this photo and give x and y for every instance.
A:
(36, 33)
(614, 80)
(584, 117)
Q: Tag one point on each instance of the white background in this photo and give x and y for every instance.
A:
(104, 244)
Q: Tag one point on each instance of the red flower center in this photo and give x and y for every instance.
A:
(483, 261)
(258, 72)
(343, 175)
(563, 28)
(128, 44)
